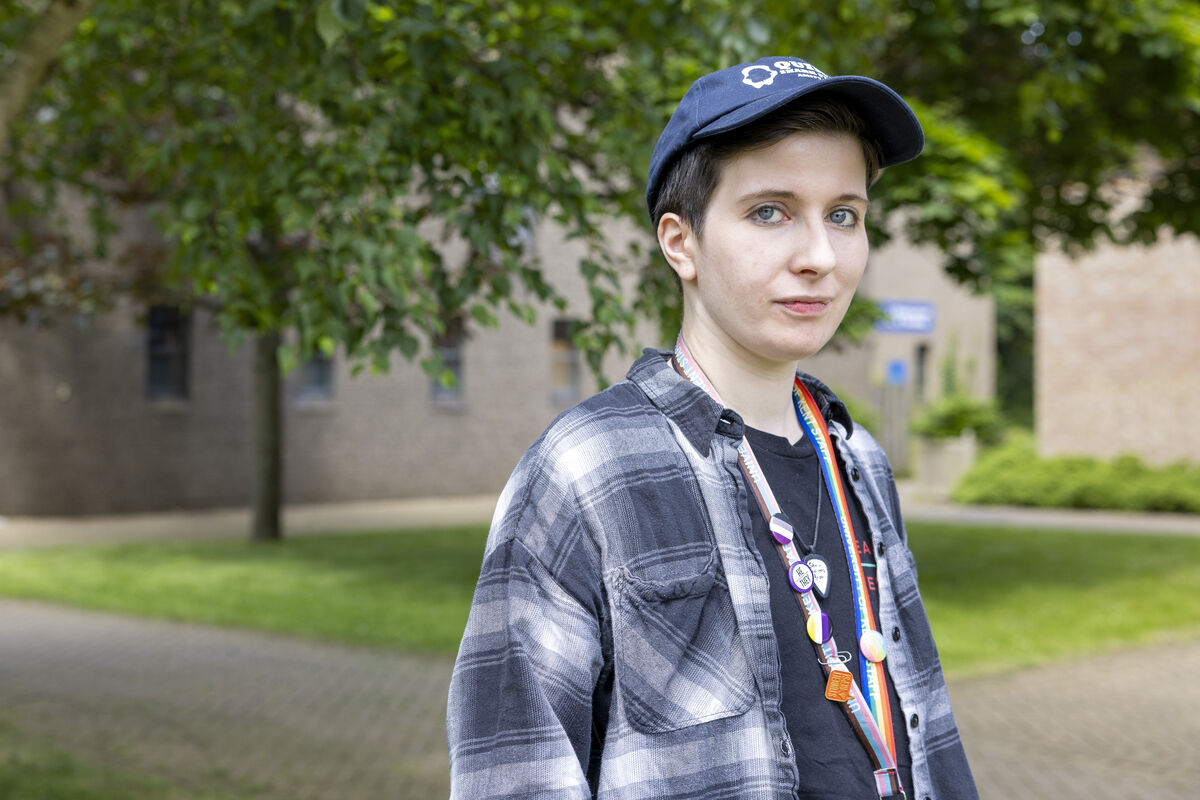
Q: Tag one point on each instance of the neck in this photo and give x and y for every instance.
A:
(759, 390)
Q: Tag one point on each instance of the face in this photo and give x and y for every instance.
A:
(782, 250)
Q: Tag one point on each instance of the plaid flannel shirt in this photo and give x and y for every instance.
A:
(620, 644)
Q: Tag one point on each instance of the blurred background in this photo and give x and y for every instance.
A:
(287, 288)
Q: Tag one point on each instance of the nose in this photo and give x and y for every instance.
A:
(814, 251)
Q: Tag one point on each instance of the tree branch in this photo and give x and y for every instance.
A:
(31, 59)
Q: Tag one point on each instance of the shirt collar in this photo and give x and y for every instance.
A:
(696, 414)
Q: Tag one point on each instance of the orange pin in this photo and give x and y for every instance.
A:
(837, 688)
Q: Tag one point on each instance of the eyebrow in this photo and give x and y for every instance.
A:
(787, 194)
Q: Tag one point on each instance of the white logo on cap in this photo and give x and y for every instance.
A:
(800, 68)
(767, 81)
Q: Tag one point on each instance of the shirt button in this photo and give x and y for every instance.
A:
(895, 634)
(880, 548)
(914, 721)
(854, 473)
(784, 747)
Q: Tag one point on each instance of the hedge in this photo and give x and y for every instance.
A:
(1013, 474)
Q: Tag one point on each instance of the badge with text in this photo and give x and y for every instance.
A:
(837, 688)
(820, 571)
(800, 577)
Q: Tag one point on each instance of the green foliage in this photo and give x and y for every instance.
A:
(955, 414)
(367, 172)
(1013, 474)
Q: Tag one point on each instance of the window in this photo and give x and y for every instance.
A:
(566, 368)
(448, 385)
(314, 383)
(922, 370)
(167, 340)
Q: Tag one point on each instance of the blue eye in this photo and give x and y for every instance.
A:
(767, 214)
(843, 217)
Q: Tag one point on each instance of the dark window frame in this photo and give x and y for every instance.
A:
(168, 353)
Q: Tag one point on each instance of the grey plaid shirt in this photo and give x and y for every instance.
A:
(620, 644)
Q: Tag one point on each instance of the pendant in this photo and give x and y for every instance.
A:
(837, 687)
(800, 577)
(820, 571)
(872, 646)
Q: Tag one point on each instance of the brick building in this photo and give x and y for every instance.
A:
(1118, 352)
(146, 409)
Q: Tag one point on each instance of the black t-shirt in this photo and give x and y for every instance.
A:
(832, 761)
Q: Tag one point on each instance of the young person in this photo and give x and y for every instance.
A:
(697, 583)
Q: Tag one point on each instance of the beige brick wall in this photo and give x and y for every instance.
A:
(78, 434)
(1118, 352)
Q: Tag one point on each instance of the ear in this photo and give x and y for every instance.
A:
(678, 243)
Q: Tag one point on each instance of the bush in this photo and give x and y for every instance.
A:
(955, 414)
(1013, 474)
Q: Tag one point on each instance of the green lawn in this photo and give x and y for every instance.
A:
(40, 771)
(407, 590)
(997, 598)
(1001, 598)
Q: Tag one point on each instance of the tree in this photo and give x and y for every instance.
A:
(364, 174)
(37, 270)
(316, 164)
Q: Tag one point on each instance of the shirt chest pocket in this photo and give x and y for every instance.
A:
(679, 661)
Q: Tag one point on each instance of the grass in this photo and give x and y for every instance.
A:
(39, 771)
(1000, 598)
(408, 591)
(997, 598)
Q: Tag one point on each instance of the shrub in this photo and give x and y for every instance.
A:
(956, 414)
(1013, 474)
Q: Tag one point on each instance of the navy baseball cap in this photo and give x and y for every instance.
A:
(725, 100)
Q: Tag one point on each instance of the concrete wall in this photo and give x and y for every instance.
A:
(1118, 352)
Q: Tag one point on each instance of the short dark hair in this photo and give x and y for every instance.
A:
(691, 181)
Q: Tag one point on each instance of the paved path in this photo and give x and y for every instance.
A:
(274, 717)
(234, 711)
(207, 707)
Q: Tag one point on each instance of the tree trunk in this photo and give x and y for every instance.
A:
(29, 60)
(268, 439)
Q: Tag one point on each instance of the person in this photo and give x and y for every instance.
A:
(697, 583)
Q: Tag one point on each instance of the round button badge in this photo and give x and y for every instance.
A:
(872, 646)
(800, 576)
(819, 629)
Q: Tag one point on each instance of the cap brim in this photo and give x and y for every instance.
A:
(892, 122)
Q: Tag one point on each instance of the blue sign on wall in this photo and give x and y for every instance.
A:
(897, 372)
(907, 316)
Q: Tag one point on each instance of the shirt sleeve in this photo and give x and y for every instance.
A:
(520, 717)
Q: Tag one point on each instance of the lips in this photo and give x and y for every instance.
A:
(805, 306)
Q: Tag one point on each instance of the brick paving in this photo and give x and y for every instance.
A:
(245, 713)
(273, 717)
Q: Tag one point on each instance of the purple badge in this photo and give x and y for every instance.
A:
(800, 576)
(781, 529)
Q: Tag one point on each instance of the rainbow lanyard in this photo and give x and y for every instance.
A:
(870, 715)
